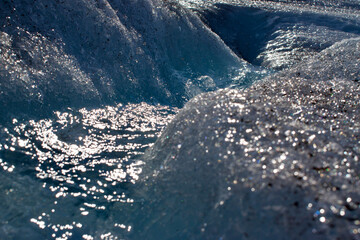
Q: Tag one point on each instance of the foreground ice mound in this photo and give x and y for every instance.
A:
(279, 160)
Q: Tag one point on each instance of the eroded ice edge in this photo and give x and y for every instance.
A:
(277, 160)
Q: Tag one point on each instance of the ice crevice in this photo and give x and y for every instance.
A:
(276, 38)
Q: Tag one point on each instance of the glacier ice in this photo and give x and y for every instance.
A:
(340, 61)
(276, 160)
(279, 160)
(85, 53)
(276, 38)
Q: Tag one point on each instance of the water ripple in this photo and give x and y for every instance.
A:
(85, 161)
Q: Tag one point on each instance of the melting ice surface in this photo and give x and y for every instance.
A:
(93, 144)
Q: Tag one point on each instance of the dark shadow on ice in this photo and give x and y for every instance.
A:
(276, 39)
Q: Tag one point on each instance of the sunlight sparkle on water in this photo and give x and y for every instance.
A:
(86, 158)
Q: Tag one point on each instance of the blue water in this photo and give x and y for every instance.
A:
(191, 119)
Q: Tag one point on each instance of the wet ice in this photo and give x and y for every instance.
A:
(274, 157)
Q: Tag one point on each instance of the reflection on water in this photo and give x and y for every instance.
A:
(85, 162)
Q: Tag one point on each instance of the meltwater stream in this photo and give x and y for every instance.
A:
(69, 176)
(191, 119)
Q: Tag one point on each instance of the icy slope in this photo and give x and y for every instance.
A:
(79, 53)
(279, 36)
(279, 160)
